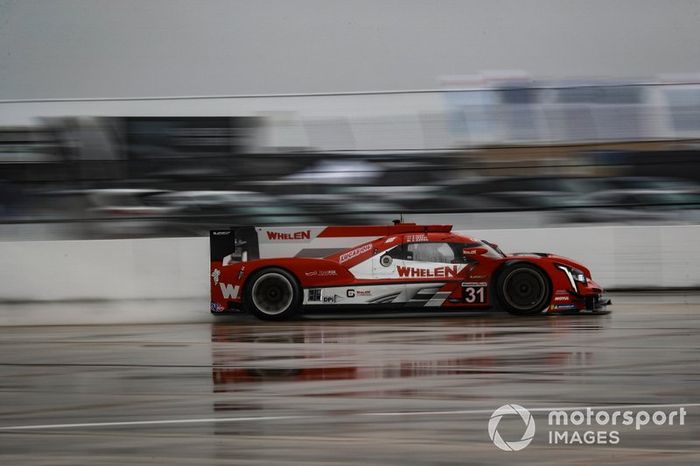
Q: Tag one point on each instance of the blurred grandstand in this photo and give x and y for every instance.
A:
(499, 153)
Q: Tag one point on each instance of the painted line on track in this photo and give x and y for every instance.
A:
(153, 422)
(297, 417)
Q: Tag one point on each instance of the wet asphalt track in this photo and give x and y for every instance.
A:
(347, 391)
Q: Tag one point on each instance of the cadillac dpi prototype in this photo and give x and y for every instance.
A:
(276, 273)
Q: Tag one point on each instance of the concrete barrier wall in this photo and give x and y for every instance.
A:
(177, 268)
(619, 257)
(167, 268)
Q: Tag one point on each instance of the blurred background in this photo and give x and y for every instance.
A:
(499, 153)
(229, 119)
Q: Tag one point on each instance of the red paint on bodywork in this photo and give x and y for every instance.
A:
(334, 270)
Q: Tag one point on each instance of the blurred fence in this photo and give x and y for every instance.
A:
(494, 114)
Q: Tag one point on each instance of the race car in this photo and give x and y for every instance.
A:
(276, 273)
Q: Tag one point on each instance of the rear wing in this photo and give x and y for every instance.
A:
(242, 244)
(233, 245)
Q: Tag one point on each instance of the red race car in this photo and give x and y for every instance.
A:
(276, 273)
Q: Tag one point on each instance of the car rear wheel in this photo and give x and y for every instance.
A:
(523, 289)
(273, 294)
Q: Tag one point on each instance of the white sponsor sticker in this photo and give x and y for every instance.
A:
(355, 252)
(321, 273)
(418, 238)
(229, 291)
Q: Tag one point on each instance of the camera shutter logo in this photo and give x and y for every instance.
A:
(528, 420)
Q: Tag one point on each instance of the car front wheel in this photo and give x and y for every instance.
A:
(523, 289)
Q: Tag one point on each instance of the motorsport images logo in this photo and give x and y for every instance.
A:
(528, 420)
(583, 425)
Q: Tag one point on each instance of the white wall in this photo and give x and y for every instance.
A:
(618, 256)
(170, 268)
(177, 268)
(166, 280)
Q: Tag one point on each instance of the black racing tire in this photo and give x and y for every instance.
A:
(273, 294)
(523, 289)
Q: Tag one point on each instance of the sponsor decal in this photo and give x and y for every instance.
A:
(352, 293)
(561, 298)
(564, 306)
(315, 294)
(355, 252)
(215, 276)
(391, 239)
(421, 237)
(216, 307)
(474, 284)
(436, 272)
(229, 291)
(476, 277)
(331, 299)
(284, 236)
(219, 233)
(321, 273)
(560, 292)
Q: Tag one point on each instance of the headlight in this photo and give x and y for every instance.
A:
(578, 275)
(574, 275)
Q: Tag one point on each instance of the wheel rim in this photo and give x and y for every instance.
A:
(272, 293)
(524, 289)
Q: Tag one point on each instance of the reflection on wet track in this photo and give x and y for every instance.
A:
(344, 391)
